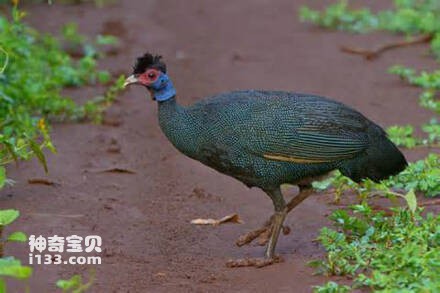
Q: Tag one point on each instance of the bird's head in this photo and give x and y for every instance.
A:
(151, 72)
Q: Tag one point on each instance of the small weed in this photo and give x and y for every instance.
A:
(10, 266)
(75, 284)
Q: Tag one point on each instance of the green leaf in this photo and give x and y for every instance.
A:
(2, 286)
(69, 284)
(11, 151)
(38, 153)
(17, 237)
(403, 136)
(107, 40)
(103, 76)
(322, 185)
(2, 176)
(8, 216)
(411, 200)
(11, 267)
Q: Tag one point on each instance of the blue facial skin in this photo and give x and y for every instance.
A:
(163, 88)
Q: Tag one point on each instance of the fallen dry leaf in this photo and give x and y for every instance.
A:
(233, 218)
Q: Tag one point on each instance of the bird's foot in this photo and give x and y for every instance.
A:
(257, 262)
(263, 234)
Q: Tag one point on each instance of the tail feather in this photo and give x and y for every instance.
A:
(380, 161)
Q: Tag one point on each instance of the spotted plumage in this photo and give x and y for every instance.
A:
(267, 138)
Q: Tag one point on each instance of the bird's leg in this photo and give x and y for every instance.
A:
(277, 223)
(270, 232)
(304, 192)
(263, 234)
(274, 228)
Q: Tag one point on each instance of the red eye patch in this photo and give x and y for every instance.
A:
(149, 77)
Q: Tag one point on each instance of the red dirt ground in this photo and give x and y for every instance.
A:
(143, 218)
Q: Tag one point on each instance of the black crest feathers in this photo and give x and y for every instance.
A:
(149, 61)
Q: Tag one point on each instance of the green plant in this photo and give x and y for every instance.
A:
(331, 287)
(75, 284)
(10, 266)
(6, 218)
(421, 176)
(404, 135)
(407, 16)
(392, 253)
(429, 81)
(34, 70)
(433, 130)
(338, 16)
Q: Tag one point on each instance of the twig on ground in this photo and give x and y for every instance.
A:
(372, 54)
(56, 215)
(430, 203)
(114, 170)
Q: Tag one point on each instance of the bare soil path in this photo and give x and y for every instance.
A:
(143, 218)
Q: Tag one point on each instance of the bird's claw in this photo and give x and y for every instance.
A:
(258, 262)
(263, 235)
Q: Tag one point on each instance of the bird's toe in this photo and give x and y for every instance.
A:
(252, 235)
(258, 262)
(262, 234)
(264, 237)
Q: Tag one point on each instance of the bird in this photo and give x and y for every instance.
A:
(267, 138)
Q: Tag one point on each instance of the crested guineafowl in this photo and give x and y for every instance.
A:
(268, 138)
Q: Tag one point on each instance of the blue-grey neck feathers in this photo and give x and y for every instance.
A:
(163, 88)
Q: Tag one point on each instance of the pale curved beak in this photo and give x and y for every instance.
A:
(132, 79)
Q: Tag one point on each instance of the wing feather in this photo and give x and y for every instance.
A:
(317, 137)
(283, 126)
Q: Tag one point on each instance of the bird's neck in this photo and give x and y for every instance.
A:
(179, 127)
(163, 88)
